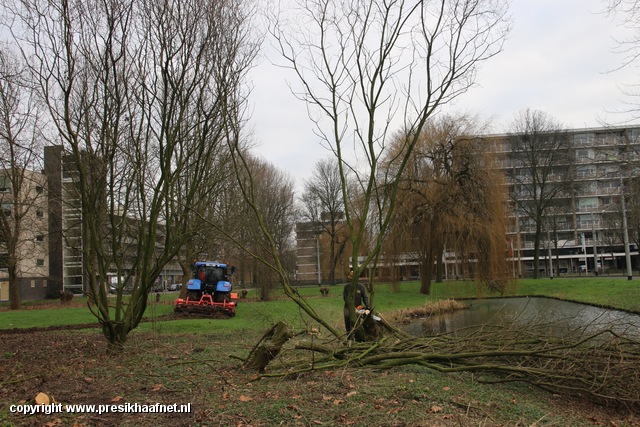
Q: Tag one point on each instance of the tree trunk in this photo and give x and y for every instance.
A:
(14, 294)
(14, 286)
(425, 277)
(439, 266)
(268, 347)
(332, 259)
(116, 335)
(536, 251)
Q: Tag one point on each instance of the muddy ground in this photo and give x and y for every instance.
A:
(71, 367)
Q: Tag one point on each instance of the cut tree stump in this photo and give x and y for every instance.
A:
(268, 347)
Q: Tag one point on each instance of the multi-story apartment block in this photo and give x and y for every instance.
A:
(313, 251)
(65, 249)
(582, 225)
(308, 253)
(65, 222)
(31, 240)
(582, 229)
(50, 253)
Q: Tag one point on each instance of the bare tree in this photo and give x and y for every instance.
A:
(222, 208)
(22, 188)
(274, 197)
(629, 48)
(366, 67)
(138, 92)
(632, 207)
(542, 175)
(324, 207)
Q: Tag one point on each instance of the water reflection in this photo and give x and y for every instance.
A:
(560, 316)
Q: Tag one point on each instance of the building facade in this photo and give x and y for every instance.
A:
(583, 219)
(50, 253)
(582, 226)
(313, 251)
(30, 205)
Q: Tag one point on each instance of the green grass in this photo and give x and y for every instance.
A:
(611, 292)
(614, 292)
(45, 317)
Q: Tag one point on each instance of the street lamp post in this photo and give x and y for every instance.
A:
(549, 253)
(625, 231)
(595, 244)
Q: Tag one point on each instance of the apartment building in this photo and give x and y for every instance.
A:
(582, 227)
(31, 242)
(313, 251)
(65, 249)
(50, 253)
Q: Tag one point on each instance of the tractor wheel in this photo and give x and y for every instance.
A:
(193, 295)
(221, 297)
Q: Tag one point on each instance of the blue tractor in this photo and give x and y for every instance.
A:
(209, 291)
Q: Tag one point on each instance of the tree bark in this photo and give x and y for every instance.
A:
(268, 347)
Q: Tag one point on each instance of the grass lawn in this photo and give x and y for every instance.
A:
(609, 292)
(613, 292)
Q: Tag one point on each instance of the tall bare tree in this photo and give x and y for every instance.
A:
(324, 206)
(274, 197)
(542, 172)
(138, 92)
(20, 156)
(629, 47)
(364, 68)
(632, 211)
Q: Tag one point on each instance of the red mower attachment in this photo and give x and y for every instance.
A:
(206, 306)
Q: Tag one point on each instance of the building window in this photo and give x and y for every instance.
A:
(585, 171)
(40, 213)
(584, 154)
(33, 283)
(40, 262)
(40, 238)
(39, 189)
(5, 184)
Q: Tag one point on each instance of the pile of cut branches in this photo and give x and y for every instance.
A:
(602, 365)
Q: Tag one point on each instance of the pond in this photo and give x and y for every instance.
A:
(562, 316)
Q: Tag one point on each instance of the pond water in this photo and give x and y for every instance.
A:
(561, 316)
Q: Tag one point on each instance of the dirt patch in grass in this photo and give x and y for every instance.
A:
(72, 367)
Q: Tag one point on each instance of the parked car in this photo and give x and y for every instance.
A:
(175, 286)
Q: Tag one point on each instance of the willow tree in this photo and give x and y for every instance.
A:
(137, 93)
(451, 199)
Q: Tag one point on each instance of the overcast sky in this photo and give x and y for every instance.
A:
(559, 58)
